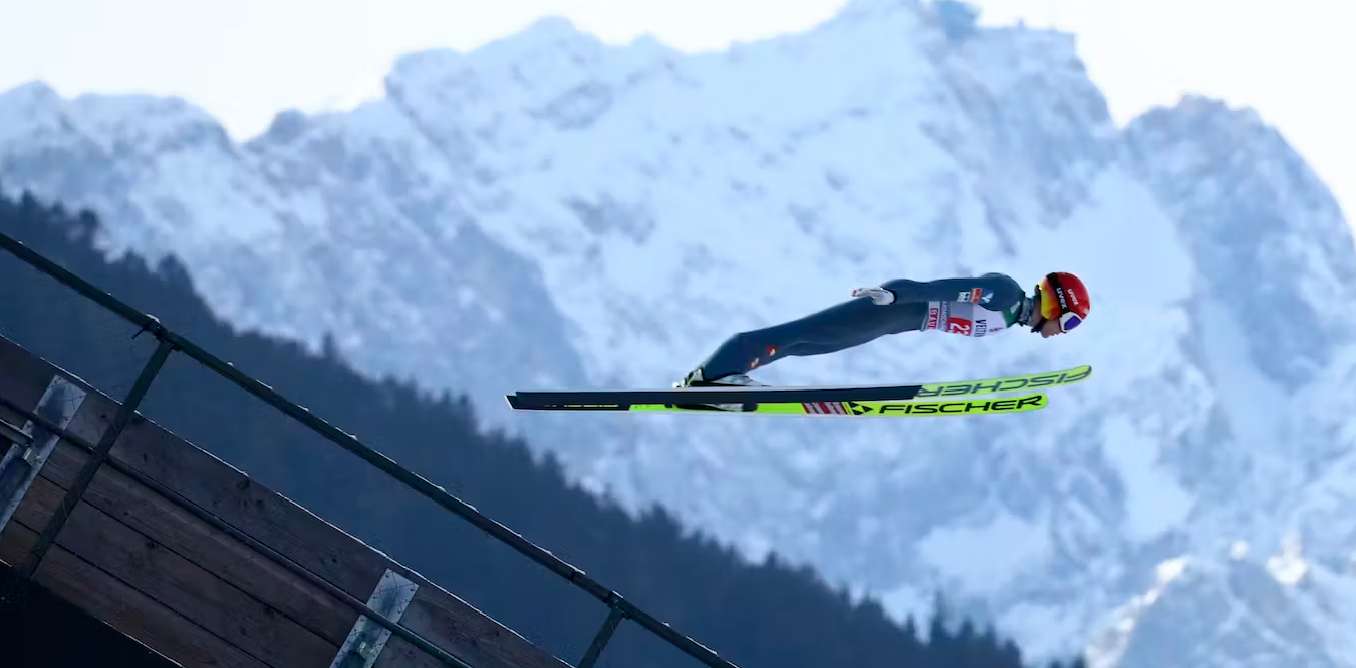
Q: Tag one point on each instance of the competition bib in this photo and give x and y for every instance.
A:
(965, 319)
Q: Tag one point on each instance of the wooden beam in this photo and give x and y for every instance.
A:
(451, 622)
(186, 570)
(184, 533)
(41, 501)
(135, 614)
(107, 598)
(199, 595)
(23, 377)
(401, 654)
(247, 505)
(436, 614)
(15, 542)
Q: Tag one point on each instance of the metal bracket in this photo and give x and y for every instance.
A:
(365, 642)
(33, 444)
(14, 435)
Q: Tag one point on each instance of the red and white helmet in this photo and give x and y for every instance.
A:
(1064, 299)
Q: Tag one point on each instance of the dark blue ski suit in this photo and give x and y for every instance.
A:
(975, 306)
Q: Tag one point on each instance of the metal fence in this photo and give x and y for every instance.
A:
(169, 343)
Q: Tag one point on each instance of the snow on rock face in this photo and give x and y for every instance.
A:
(158, 164)
(351, 219)
(31, 112)
(1193, 613)
(551, 211)
(147, 127)
(1273, 255)
(1256, 216)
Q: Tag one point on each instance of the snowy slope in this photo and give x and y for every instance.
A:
(345, 226)
(549, 210)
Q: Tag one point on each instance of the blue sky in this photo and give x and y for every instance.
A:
(245, 60)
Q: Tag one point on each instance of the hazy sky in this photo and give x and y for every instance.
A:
(244, 60)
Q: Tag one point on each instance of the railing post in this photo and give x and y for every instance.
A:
(120, 421)
(614, 617)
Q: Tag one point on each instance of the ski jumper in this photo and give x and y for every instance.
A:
(979, 306)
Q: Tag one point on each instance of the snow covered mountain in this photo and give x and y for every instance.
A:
(552, 211)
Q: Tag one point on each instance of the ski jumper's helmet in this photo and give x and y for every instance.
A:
(1064, 299)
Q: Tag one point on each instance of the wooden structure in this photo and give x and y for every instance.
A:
(192, 558)
(403, 621)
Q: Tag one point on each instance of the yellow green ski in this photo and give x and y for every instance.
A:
(914, 400)
(949, 407)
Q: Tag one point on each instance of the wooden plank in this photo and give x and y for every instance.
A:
(23, 378)
(230, 495)
(133, 613)
(21, 534)
(40, 503)
(444, 619)
(192, 591)
(447, 621)
(19, 539)
(99, 594)
(15, 543)
(64, 464)
(37, 507)
(158, 518)
(399, 653)
(250, 507)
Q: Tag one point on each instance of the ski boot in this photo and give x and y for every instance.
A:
(696, 379)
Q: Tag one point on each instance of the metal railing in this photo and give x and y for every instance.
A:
(619, 609)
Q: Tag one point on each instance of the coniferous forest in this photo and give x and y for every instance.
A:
(771, 614)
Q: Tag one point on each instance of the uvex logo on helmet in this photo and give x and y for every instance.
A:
(1064, 299)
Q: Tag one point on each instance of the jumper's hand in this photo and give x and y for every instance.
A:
(879, 296)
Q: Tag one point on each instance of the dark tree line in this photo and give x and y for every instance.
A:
(770, 614)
